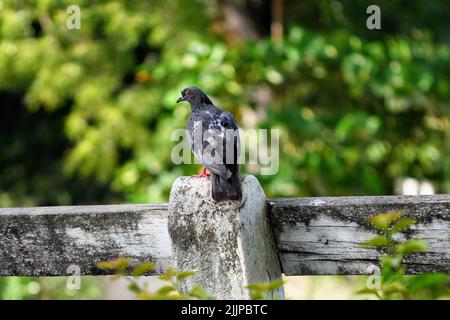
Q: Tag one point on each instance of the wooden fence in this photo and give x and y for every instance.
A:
(228, 244)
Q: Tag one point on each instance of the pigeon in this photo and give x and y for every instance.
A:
(214, 140)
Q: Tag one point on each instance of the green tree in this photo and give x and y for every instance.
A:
(357, 109)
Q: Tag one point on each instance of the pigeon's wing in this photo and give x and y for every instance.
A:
(202, 128)
(228, 122)
(217, 148)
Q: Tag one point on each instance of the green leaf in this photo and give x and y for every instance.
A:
(256, 295)
(275, 284)
(260, 290)
(146, 296)
(382, 221)
(200, 293)
(120, 264)
(168, 274)
(377, 241)
(134, 288)
(368, 291)
(391, 268)
(142, 268)
(403, 224)
(427, 281)
(411, 246)
(184, 274)
(257, 286)
(105, 265)
(166, 289)
(395, 287)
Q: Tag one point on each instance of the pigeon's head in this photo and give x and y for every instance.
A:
(194, 96)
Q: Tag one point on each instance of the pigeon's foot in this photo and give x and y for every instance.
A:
(203, 174)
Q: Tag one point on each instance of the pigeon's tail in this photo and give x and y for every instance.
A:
(226, 189)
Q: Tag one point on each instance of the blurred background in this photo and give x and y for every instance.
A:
(86, 114)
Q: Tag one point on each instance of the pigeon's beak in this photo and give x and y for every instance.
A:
(181, 99)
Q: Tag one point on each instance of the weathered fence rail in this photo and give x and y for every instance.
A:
(324, 235)
(45, 241)
(297, 236)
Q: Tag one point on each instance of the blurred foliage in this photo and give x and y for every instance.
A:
(88, 113)
(172, 289)
(393, 282)
(264, 290)
(43, 288)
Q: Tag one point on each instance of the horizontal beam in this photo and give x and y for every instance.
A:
(46, 241)
(319, 236)
(314, 235)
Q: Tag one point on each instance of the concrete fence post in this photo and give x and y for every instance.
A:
(229, 244)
